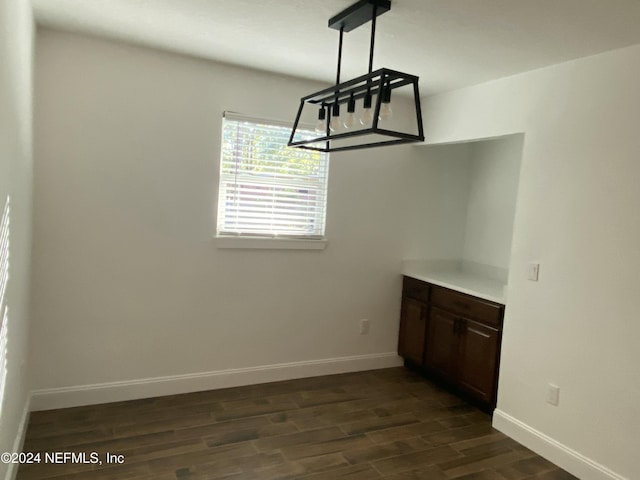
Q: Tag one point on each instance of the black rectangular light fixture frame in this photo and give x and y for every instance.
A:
(379, 83)
(372, 83)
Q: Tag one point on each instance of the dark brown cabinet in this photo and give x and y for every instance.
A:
(477, 367)
(442, 344)
(413, 320)
(453, 337)
(413, 326)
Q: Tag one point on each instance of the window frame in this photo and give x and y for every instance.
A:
(265, 240)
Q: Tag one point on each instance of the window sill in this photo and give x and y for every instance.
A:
(261, 243)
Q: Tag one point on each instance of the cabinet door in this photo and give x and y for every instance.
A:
(442, 344)
(478, 360)
(412, 331)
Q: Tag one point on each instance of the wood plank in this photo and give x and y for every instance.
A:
(389, 423)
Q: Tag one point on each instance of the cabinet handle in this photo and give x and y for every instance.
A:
(457, 325)
(478, 332)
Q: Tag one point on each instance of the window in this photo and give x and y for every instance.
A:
(266, 188)
(3, 353)
(4, 280)
(4, 248)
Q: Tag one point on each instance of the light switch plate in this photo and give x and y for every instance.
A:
(553, 394)
(364, 326)
(534, 271)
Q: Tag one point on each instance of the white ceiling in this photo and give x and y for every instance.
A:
(448, 43)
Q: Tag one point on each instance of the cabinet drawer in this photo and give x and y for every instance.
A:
(417, 289)
(468, 306)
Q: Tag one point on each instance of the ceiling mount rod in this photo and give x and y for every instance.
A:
(339, 55)
(373, 37)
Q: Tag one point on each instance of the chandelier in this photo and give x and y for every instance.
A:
(358, 113)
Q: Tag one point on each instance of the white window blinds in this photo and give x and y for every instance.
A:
(4, 280)
(267, 188)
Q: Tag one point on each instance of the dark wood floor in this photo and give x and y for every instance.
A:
(389, 424)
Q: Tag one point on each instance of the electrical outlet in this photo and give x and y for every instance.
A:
(553, 394)
(534, 271)
(364, 326)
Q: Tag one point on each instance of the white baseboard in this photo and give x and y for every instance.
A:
(563, 456)
(53, 398)
(12, 471)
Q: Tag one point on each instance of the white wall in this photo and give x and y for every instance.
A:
(16, 31)
(577, 214)
(445, 188)
(486, 177)
(493, 187)
(128, 283)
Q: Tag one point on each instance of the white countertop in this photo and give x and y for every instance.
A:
(469, 282)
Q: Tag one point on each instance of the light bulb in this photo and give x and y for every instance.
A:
(321, 124)
(385, 111)
(335, 125)
(351, 108)
(349, 121)
(385, 107)
(367, 117)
